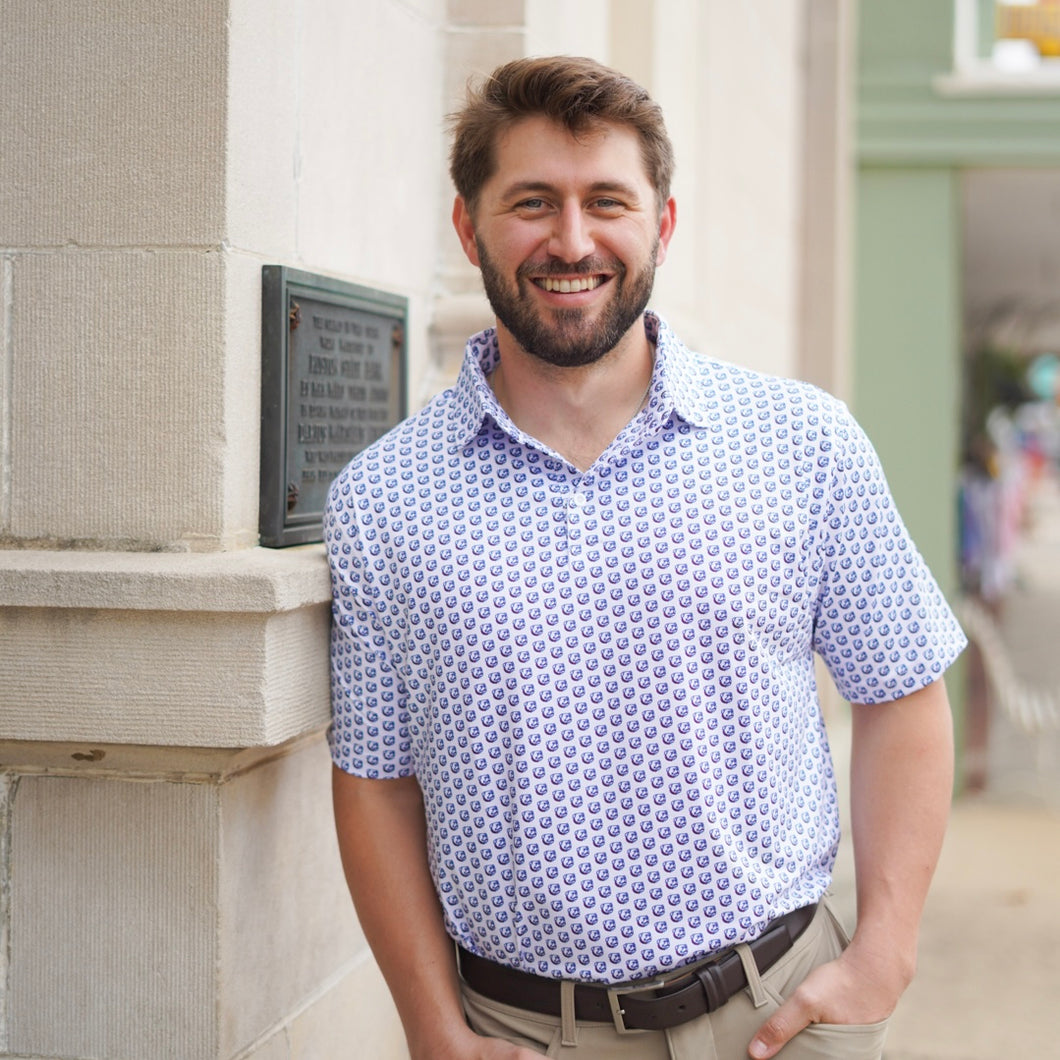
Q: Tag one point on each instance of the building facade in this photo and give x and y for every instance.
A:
(958, 177)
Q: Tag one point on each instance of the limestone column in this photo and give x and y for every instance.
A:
(169, 882)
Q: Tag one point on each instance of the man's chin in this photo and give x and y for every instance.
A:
(566, 347)
(566, 337)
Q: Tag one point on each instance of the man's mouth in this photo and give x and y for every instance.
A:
(563, 285)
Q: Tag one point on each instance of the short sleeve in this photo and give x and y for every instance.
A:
(368, 735)
(881, 624)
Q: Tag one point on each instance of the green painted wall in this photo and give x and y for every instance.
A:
(907, 334)
(903, 41)
(904, 116)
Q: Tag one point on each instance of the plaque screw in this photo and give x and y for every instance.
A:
(295, 315)
(292, 496)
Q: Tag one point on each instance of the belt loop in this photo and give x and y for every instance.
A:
(568, 1023)
(754, 980)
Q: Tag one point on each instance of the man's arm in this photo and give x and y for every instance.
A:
(382, 840)
(901, 784)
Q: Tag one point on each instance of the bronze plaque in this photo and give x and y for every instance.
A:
(333, 381)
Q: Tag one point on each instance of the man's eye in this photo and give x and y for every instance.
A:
(532, 204)
(608, 204)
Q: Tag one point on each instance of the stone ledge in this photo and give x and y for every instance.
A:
(255, 580)
(226, 650)
(163, 678)
(115, 761)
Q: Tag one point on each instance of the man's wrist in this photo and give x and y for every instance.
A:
(442, 1042)
(885, 961)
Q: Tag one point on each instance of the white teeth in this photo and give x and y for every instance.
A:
(586, 283)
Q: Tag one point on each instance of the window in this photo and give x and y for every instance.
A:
(1004, 46)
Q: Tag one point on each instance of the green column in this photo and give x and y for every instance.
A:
(907, 339)
(907, 381)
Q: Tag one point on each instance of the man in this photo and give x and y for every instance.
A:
(576, 601)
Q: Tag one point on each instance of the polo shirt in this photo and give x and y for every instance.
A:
(603, 680)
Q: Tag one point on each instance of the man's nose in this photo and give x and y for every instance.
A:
(571, 238)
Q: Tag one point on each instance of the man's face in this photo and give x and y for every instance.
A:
(567, 234)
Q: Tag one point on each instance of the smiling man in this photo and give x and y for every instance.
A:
(583, 791)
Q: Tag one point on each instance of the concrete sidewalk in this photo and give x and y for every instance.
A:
(990, 946)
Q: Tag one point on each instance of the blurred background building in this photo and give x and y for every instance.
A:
(867, 199)
(957, 275)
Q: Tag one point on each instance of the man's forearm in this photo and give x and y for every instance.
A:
(381, 834)
(901, 785)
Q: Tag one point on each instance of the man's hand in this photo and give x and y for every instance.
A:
(852, 989)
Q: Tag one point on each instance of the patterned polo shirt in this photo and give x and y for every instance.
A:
(603, 680)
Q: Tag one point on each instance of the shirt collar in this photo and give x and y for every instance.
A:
(673, 387)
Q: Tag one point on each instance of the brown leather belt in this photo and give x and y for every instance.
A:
(646, 1006)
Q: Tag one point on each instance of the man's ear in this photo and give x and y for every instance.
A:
(465, 229)
(667, 224)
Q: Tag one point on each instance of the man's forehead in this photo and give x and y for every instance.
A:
(589, 133)
(538, 143)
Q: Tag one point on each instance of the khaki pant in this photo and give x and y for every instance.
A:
(721, 1035)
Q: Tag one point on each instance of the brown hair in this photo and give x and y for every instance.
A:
(575, 92)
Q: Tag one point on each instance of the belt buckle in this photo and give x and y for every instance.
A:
(618, 1013)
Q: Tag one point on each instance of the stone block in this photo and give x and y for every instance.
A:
(114, 123)
(117, 404)
(486, 12)
(286, 920)
(200, 915)
(585, 29)
(194, 650)
(261, 174)
(368, 206)
(247, 580)
(474, 55)
(113, 940)
(164, 678)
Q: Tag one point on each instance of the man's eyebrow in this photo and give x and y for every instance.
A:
(527, 187)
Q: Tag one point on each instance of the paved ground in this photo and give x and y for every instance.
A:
(989, 973)
(990, 946)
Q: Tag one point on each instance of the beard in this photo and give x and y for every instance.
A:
(568, 338)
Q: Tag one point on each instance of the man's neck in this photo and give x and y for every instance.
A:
(578, 412)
